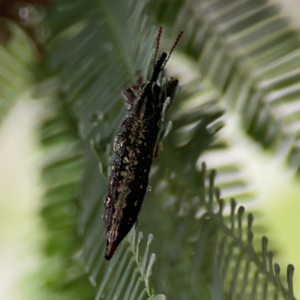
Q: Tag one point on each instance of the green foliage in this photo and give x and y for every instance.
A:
(250, 54)
(202, 251)
(245, 56)
(15, 69)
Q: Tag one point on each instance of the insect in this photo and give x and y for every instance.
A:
(135, 146)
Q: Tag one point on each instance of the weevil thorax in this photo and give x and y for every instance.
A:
(149, 101)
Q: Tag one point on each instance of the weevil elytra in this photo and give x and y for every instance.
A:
(135, 146)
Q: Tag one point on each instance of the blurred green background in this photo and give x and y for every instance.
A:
(21, 229)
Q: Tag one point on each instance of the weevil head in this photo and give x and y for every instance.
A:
(158, 67)
(164, 57)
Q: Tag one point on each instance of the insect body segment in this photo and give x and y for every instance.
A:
(135, 146)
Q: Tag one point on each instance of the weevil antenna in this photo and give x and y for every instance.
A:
(173, 47)
(157, 43)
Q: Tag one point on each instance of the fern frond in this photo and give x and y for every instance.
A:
(15, 70)
(218, 249)
(106, 52)
(250, 54)
(61, 174)
(128, 275)
(198, 118)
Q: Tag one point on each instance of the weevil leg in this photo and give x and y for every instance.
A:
(139, 80)
(128, 95)
(156, 149)
(166, 105)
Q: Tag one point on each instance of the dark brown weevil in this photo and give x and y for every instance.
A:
(135, 146)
